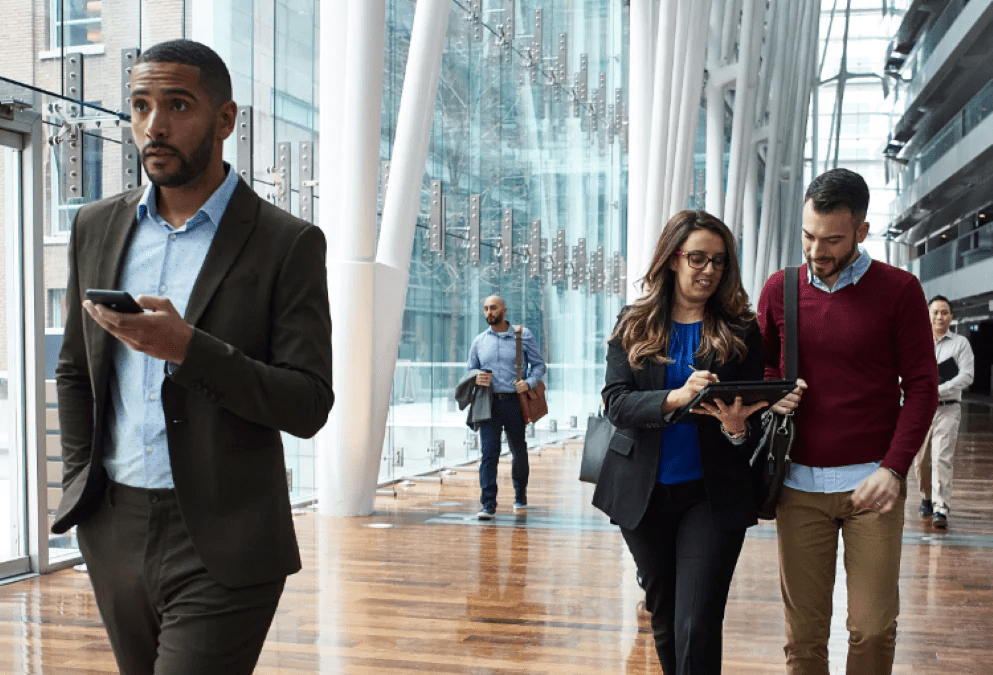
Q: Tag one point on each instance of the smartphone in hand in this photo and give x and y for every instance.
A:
(119, 301)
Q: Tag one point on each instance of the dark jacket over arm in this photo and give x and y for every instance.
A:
(633, 400)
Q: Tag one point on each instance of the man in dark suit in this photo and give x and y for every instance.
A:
(171, 418)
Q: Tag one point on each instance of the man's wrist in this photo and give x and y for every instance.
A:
(900, 477)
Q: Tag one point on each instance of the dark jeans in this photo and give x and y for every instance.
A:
(686, 561)
(163, 611)
(507, 415)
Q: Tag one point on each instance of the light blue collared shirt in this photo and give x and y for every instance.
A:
(161, 261)
(849, 276)
(833, 479)
(498, 352)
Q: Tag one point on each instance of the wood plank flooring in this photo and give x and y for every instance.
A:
(422, 586)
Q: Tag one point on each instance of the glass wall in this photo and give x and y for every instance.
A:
(511, 134)
(529, 143)
(72, 69)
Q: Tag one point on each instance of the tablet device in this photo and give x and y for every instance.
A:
(119, 301)
(750, 392)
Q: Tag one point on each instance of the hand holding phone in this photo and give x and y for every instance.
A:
(119, 301)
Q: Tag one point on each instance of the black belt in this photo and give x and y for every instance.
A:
(135, 495)
(503, 396)
(947, 402)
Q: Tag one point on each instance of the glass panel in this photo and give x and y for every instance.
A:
(13, 530)
(508, 129)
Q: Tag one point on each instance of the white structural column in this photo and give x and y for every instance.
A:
(774, 132)
(350, 463)
(678, 188)
(639, 116)
(675, 104)
(789, 100)
(402, 203)
(805, 78)
(658, 139)
(743, 121)
(720, 20)
(763, 51)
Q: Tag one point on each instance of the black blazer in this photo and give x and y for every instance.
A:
(633, 400)
(259, 363)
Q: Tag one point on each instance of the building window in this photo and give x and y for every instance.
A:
(76, 23)
(55, 311)
(66, 207)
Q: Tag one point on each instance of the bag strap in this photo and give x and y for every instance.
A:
(791, 356)
(518, 336)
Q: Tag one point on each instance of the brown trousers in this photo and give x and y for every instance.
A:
(163, 612)
(808, 525)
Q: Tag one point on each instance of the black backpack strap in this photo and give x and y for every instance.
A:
(790, 301)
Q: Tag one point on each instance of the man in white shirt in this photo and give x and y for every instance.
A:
(933, 464)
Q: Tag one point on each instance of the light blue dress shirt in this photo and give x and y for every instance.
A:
(498, 352)
(833, 479)
(161, 261)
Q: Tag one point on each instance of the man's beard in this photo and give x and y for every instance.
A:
(494, 319)
(839, 265)
(189, 167)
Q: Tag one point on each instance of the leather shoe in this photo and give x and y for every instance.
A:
(926, 510)
(940, 521)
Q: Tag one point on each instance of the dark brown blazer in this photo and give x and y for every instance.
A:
(633, 400)
(259, 363)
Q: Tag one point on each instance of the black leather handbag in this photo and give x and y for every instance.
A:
(770, 463)
(599, 431)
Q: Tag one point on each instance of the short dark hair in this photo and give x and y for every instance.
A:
(214, 75)
(837, 189)
(944, 300)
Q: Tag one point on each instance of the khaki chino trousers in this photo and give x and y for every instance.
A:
(808, 524)
(933, 464)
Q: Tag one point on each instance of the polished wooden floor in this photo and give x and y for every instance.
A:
(422, 586)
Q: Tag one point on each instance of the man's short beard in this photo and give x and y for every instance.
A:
(494, 320)
(190, 167)
(840, 265)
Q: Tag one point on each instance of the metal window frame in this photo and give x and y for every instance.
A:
(30, 326)
(55, 41)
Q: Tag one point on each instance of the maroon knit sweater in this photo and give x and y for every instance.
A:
(858, 348)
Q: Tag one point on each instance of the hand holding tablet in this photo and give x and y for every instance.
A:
(750, 392)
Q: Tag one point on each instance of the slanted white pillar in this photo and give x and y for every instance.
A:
(639, 116)
(658, 140)
(744, 110)
(719, 27)
(806, 74)
(348, 467)
(750, 222)
(403, 199)
(689, 106)
(679, 64)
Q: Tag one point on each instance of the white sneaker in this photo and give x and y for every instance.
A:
(485, 515)
(519, 506)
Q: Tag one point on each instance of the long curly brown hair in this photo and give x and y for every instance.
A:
(645, 326)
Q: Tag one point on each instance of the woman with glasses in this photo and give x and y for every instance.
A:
(681, 490)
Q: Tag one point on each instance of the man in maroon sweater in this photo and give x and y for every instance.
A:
(863, 338)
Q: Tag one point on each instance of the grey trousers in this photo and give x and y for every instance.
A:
(163, 612)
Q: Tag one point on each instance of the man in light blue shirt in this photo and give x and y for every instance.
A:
(171, 417)
(494, 351)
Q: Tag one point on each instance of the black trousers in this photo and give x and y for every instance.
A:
(686, 562)
(163, 612)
